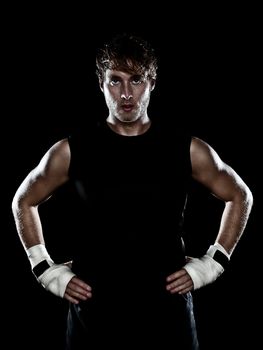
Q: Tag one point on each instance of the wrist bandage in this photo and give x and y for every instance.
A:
(53, 277)
(209, 267)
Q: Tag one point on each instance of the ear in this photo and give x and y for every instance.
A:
(101, 84)
(153, 81)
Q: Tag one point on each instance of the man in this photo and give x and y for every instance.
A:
(130, 282)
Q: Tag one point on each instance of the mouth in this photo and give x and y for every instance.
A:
(127, 107)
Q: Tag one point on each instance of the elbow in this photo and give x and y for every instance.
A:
(16, 204)
(22, 202)
(247, 198)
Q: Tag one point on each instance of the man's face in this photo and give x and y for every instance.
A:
(127, 95)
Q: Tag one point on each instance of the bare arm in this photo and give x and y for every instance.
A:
(225, 184)
(38, 186)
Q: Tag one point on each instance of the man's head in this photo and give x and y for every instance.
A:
(126, 68)
(129, 54)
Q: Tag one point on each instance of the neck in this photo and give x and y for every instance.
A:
(134, 128)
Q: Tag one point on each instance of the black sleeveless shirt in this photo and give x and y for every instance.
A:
(133, 191)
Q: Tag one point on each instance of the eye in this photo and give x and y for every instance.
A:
(137, 80)
(114, 81)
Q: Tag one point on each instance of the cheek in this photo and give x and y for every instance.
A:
(111, 100)
(112, 95)
(108, 95)
(145, 95)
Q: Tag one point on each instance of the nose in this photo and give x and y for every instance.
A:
(126, 93)
(126, 97)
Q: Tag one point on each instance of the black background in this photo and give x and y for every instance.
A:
(208, 81)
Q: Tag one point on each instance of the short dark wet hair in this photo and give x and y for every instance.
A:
(127, 53)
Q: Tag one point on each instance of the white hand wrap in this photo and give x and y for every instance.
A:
(206, 269)
(55, 277)
(38, 253)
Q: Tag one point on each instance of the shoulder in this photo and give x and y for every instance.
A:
(172, 131)
(59, 150)
(84, 136)
(56, 159)
(206, 163)
(201, 151)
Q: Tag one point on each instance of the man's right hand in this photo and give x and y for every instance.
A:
(77, 290)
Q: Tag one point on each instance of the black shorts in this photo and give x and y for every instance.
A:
(129, 324)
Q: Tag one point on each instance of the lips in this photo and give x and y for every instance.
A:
(127, 107)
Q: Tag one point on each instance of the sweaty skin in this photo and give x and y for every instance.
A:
(127, 97)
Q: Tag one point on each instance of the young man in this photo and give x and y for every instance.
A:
(130, 278)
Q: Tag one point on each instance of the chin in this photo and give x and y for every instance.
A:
(127, 119)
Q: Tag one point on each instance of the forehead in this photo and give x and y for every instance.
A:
(119, 73)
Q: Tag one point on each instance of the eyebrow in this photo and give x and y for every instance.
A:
(116, 76)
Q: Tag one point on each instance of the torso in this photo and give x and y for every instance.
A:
(133, 192)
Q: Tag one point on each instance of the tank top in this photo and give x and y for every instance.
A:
(132, 192)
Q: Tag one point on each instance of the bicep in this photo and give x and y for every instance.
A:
(49, 174)
(213, 173)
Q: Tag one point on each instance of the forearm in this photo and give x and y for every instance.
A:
(28, 224)
(54, 277)
(234, 220)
